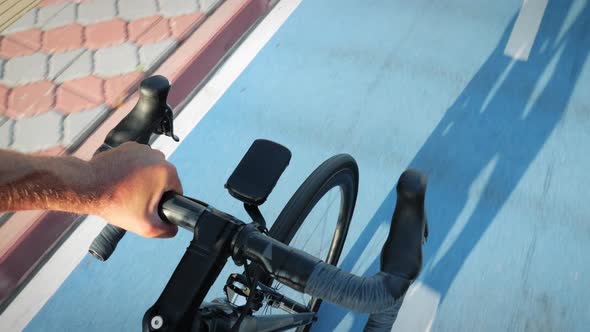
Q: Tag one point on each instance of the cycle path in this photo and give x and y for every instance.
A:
(502, 135)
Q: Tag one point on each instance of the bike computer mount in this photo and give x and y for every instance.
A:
(258, 172)
(256, 175)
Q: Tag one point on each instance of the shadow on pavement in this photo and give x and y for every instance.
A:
(499, 123)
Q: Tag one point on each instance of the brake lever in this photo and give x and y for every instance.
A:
(167, 125)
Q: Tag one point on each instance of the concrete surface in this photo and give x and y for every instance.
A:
(402, 84)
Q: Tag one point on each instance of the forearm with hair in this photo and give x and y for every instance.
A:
(47, 183)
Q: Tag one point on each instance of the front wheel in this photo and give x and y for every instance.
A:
(336, 178)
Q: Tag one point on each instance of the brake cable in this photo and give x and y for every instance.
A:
(249, 299)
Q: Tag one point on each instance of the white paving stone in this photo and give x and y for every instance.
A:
(207, 5)
(116, 60)
(96, 11)
(6, 126)
(78, 125)
(149, 54)
(38, 132)
(58, 62)
(134, 9)
(25, 69)
(57, 15)
(80, 66)
(177, 7)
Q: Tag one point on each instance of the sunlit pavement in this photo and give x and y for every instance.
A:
(66, 64)
(494, 110)
(69, 71)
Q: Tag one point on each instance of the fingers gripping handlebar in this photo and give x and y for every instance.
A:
(150, 115)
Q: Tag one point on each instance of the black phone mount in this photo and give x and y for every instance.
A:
(258, 172)
(256, 176)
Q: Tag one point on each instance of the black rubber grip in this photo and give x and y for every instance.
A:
(402, 252)
(146, 116)
(106, 242)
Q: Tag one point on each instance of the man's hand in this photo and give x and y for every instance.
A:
(132, 179)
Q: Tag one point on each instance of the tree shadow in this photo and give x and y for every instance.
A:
(498, 124)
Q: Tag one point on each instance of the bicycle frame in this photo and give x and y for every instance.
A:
(223, 316)
(218, 236)
(215, 234)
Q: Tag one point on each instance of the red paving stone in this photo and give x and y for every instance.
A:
(30, 99)
(149, 30)
(159, 31)
(90, 88)
(68, 101)
(105, 34)
(10, 49)
(136, 28)
(3, 96)
(20, 43)
(180, 25)
(116, 88)
(62, 39)
(30, 38)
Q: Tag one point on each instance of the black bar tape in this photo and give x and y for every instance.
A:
(105, 243)
(361, 294)
(383, 321)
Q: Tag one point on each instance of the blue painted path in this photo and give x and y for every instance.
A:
(399, 84)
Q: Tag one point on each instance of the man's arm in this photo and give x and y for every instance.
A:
(123, 185)
(47, 183)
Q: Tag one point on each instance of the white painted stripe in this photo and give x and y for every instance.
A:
(418, 310)
(227, 74)
(50, 277)
(525, 29)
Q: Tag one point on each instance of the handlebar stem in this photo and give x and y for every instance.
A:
(287, 265)
(208, 252)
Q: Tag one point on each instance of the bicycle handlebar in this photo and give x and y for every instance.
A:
(219, 236)
(401, 258)
(379, 295)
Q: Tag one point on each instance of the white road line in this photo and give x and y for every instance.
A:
(50, 277)
(525, 29)
(418, 310)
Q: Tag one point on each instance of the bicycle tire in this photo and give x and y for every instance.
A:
(339, 171)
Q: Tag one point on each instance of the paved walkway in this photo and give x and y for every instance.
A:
(397, 84)
(67, 63)
(502, 132)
